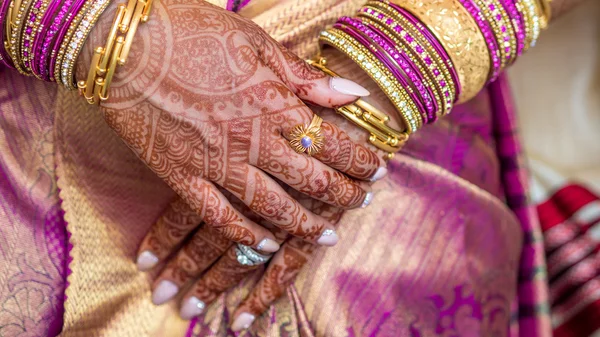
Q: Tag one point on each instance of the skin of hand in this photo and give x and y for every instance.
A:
(206, 263)
(207, 100)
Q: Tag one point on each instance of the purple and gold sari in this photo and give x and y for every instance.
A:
(449, 247)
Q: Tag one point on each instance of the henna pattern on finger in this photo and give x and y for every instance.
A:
(171, 229)
(279, 275)
(285, 212)
(196, 256)
(226, 273)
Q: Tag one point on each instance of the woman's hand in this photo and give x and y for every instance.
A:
(206, 264)
(207, 102)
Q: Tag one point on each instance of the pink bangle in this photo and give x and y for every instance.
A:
(488, 34)
(55, 54)
(394, 69)
(403, 61)
(51, 23)
(518, 22)
(433, 41)
(33, 20)
(441, 77)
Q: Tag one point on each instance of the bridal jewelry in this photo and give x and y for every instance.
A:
(308, 139)
(247, 256)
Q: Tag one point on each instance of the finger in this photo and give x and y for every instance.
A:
(218, 213)
(167, 233)
(195, 257)
(226, 273)
(312, 177)
(307, 82)
(282, 270)
(265, 197)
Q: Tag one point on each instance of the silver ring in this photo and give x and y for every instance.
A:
(249, 257)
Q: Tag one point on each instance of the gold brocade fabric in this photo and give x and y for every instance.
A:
(428, 226)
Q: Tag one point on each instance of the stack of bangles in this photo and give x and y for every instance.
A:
(43, 38)
(425, 59)
(426, 56)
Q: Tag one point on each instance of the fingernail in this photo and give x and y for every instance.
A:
(268, 245)
(242, 322)
(380, 173)
(164, 292)
(347, 87)
(368, 199)
(328, 238)
(192, 308)
(146, 261)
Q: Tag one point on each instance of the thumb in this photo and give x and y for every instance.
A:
(309, 83)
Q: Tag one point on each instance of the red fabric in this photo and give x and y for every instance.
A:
(573, 260)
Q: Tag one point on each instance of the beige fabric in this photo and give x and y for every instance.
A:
(557, 89)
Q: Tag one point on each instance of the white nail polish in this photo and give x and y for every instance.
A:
(165, 291)
(368, 199)
(146, 261)
(347, 87)
(242, 322)
(328, 238)
(268, 245)
(380, 173)
(192, 308)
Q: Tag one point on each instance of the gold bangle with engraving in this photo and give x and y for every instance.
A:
(460, 36)
(378, 72)
(116, 50)
(369, 118)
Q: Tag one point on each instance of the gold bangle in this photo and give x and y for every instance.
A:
(546, 11)
(367, 117)
(15, 21)
(531, 15)
(116, 50)
(78, 40)
(59, 73)
(378, 72)
(460, 36)
(430, 80)
(498, 18)
(27, 51)
(411, 32)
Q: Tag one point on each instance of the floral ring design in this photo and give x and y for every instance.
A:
(308, 139)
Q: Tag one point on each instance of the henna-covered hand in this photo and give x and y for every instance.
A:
(206, 264)
(207, 101)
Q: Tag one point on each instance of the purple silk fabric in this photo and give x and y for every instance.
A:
(33, 240)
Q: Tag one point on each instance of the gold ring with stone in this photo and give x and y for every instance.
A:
(308, 138)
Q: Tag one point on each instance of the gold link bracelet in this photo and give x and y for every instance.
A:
(369, 118)
(115, 52)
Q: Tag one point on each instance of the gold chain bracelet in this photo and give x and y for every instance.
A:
(115, 52)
